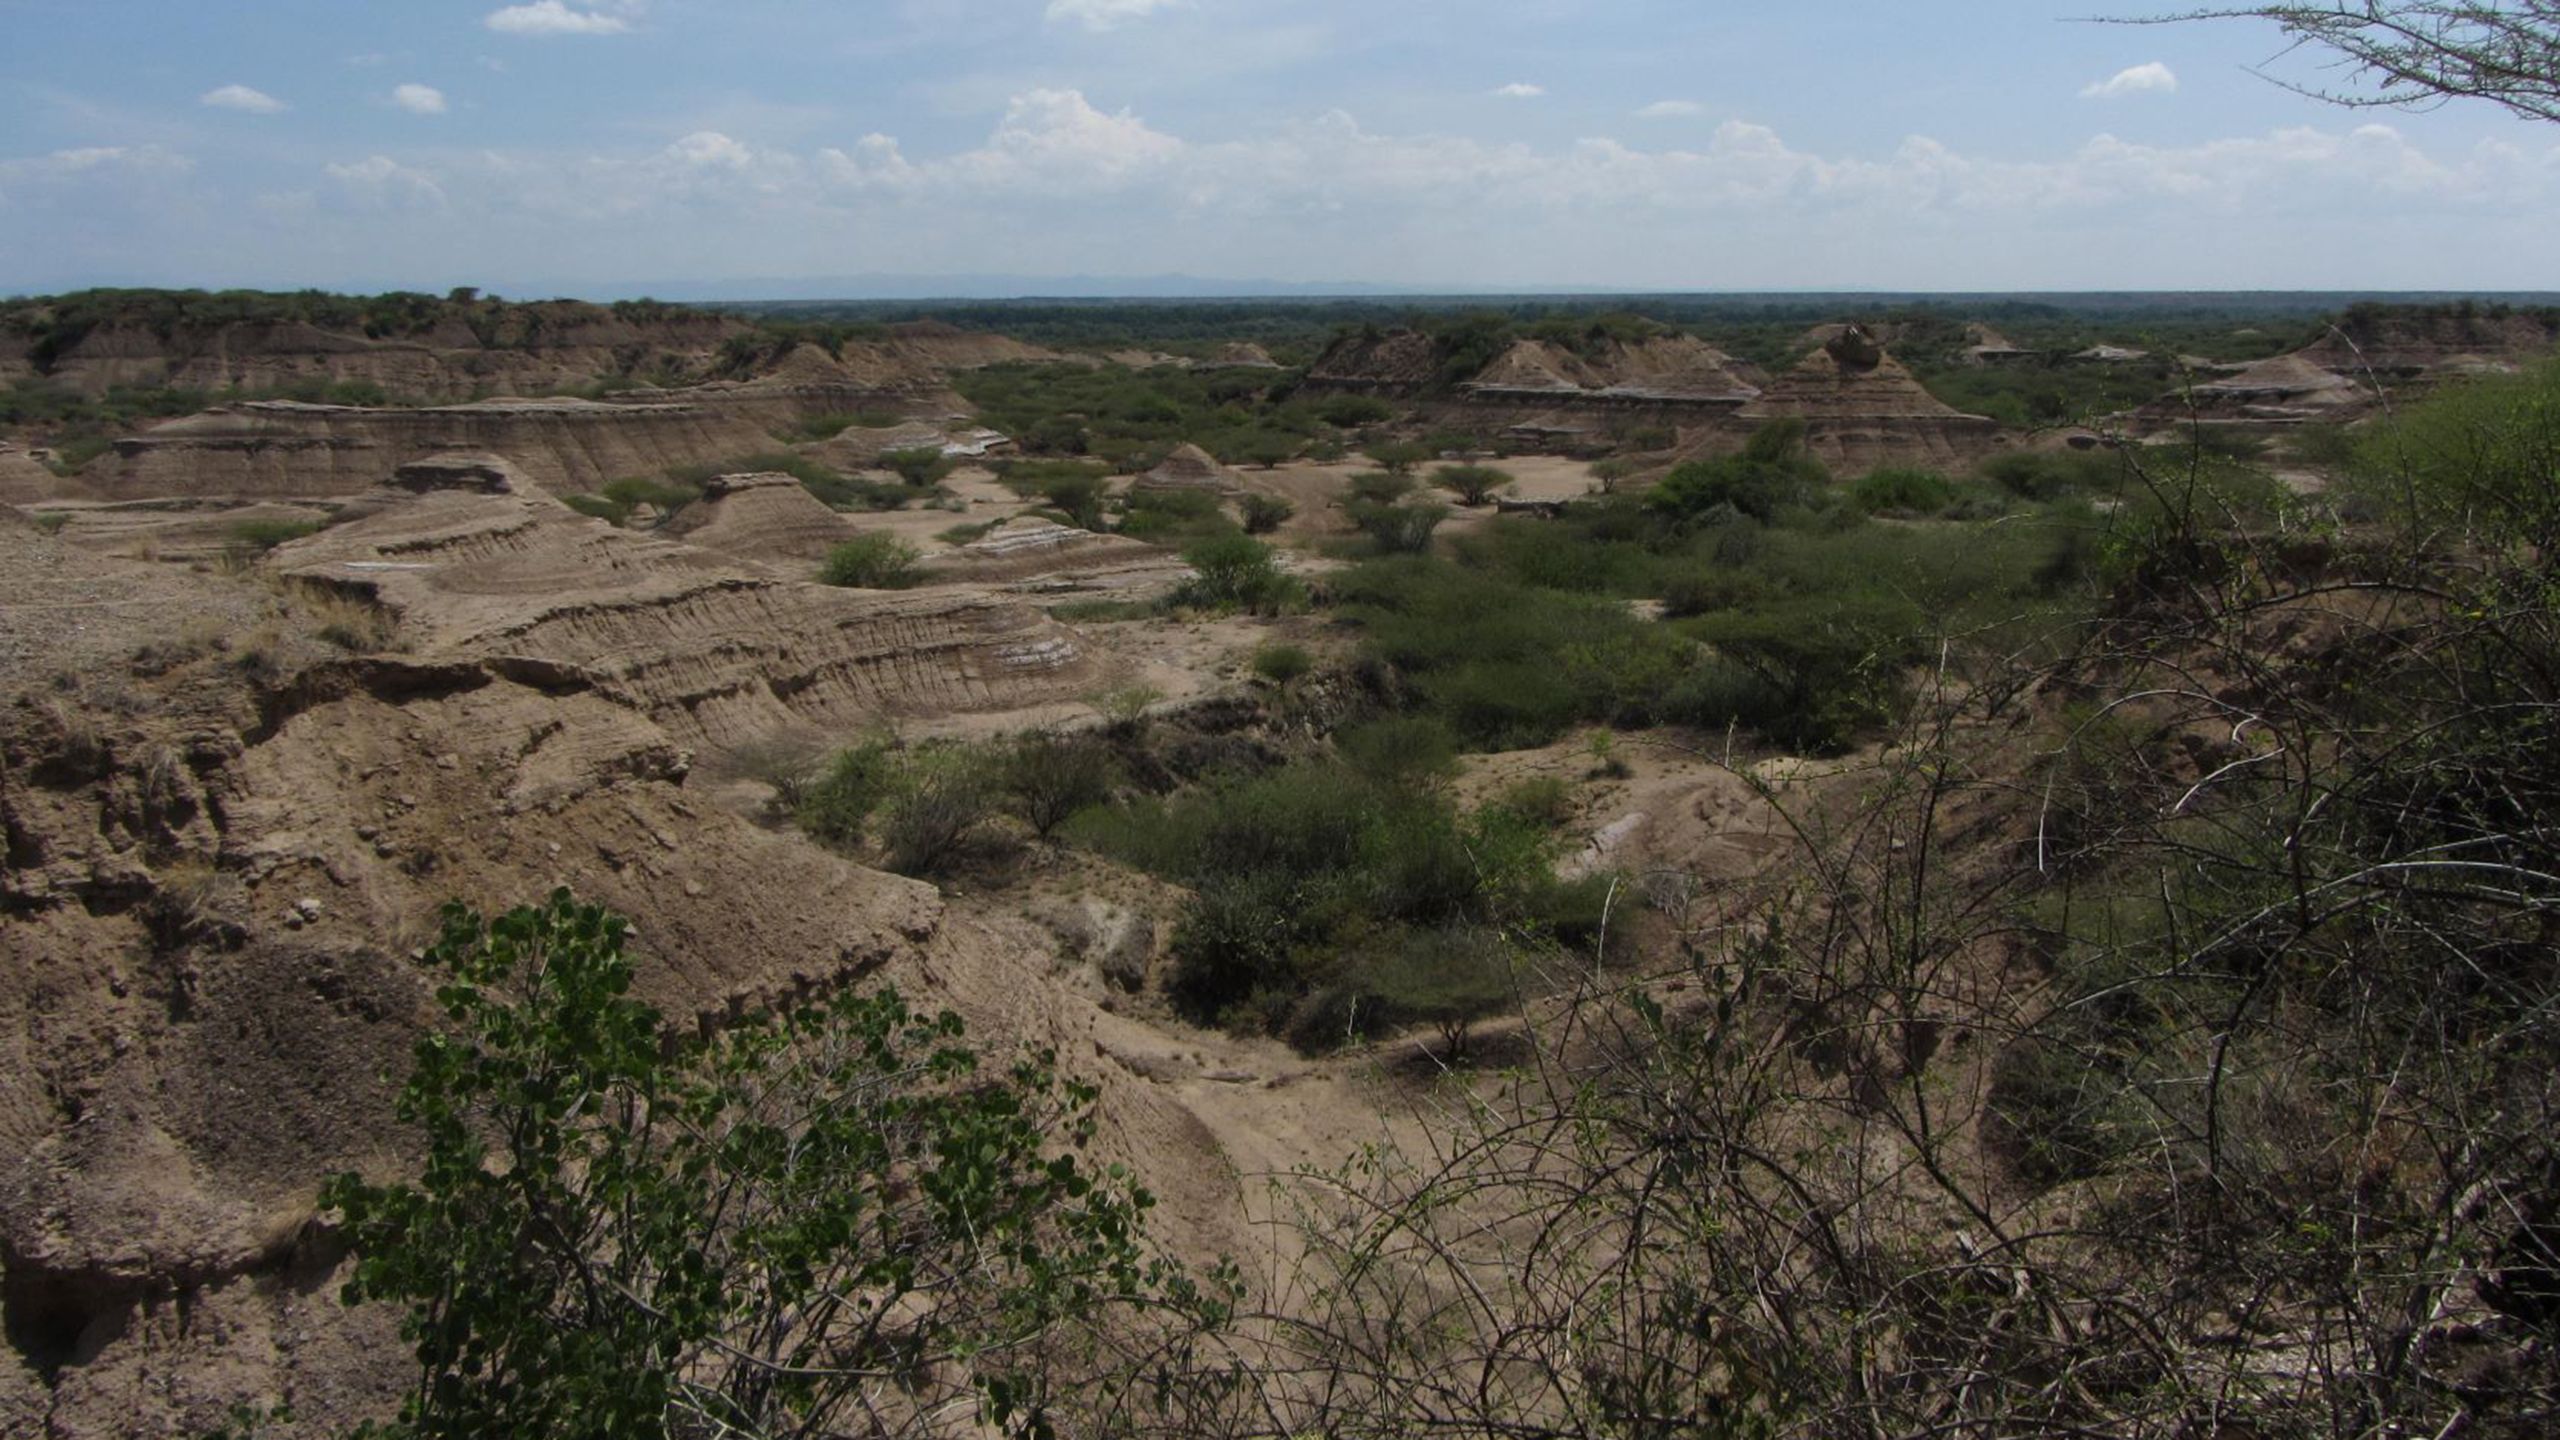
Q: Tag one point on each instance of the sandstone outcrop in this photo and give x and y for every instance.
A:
(1862, 409)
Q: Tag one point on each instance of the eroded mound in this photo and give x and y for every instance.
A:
(716, 651)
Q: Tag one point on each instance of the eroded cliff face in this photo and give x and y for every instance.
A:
(532, 350)
(288, 450)
(225, 835)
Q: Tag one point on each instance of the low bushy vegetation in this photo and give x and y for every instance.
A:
(1310, 881)
(877, 561)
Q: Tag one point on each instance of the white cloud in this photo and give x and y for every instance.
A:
(709, 150)
(368, 60)
(2148, 79)
(1106, 14)
(1521, 90)
(553, 17)
(379, 182)
(1671, 110)
(419, 99)
(243, 99)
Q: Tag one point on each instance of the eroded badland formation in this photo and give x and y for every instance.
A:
(482, 600)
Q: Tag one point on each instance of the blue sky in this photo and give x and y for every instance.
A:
(588, 146)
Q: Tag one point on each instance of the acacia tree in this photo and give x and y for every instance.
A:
(2417, 52)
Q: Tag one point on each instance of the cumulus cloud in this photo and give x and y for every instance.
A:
(1671, 110)
(2153, 78)
(242, 99)
(419, 99)
(1520, 90)
(1106, 14)
(554, 17)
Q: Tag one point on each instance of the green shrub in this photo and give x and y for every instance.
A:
(877, 561)
(836, 808)
(1771, 472)
(1048, 778)
(1399, 457)
(1281, 664)
(52, 521)
(1265, 513)
(257, 537)
(1380, 487)
(605, 1217)
(919, 467)
(1545, 801)
(1401, 750)
(1172, 517)
(933, 811)
(2480, 454)
(1236, 572)
(667, 495)
(1349, 412)
(1912, 492)
(1399, 529)
(601, 507)
(1297, 870)
(1446, 978)
(1472, 484)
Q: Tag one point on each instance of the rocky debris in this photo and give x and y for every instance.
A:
(1120, 943)
(2109, 355)
(1189, 468)
(1244, 355)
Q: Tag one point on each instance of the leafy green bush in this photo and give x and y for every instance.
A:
(1173, 517)
(601, 507)
(1398, 529)
(608, 1219)
(877, 561)
(1265, 513)
(1770, 473)
(942, 795)
(1908, 491)
(1236, 572)
(1472, 484)
(2483, 452)
(260, 536)
(1401, 750)
(1379, 487)
(1503, 665)
(1349, 412)
(1048, 778)
(920, 466)
(1298, 871)
(836, 807)
(1399, 457)
(1281, 664)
